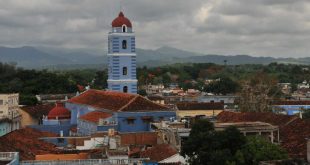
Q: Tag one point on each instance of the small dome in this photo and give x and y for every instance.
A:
(121, 20)
(60, 112)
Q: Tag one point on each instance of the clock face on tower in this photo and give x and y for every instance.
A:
(122, 56)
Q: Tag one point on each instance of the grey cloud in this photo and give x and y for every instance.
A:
(255, 27)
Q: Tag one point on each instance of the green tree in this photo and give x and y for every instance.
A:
(224, 86)
(228, 147)
(142, 92)
(100, 80)
(306, 114)
(259, 149)
(27, 100)
(206, 146)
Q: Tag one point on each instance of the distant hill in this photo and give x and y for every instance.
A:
(28, 57)
(31, 57)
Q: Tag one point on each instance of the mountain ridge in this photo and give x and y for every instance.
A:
(38, 58)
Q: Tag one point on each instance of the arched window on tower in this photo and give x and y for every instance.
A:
(125, 89)
(124, 44)
(124, 28)
(124, 71)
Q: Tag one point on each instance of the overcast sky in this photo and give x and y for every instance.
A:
(278, 28)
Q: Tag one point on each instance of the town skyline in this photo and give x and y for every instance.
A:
(259, 28)
(205, 110)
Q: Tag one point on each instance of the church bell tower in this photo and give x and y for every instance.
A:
(122, 73)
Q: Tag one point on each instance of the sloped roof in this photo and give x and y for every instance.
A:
(26, 142)
(138, 138)
(121, 20)
(159, 152)
(199, 106)
(38, 111)
(267, 117)
(59, 112)
(293, 130)
(95, 116)
(116, 101)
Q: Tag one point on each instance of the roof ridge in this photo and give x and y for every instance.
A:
(155, 103)
(290, 121)
(131, 101)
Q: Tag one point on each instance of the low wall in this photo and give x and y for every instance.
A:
(80, 156)
(54, 128)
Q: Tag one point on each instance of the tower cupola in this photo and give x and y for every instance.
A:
(121, 20)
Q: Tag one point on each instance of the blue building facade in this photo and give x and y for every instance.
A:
(129, 112)
(122, 63)
(57, 121)
(5, 126)
(140, 121)
(291, 107)
(124, 122)
(78, 110)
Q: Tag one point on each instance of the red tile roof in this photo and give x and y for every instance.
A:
(95, 116)
(121, 20)
(159, 152)
(38, 111)
(143, 138)
(26, 142)
(59, 112)
(293, 130)
(267, 117)
(116, 101)
(199, 106)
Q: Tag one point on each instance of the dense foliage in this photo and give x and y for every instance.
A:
(32, 82)
(194, 75)
(228, 147)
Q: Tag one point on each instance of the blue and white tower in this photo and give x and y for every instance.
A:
(122, 56)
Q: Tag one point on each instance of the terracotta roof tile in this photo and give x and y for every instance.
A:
(95, 116)
(38, 111)
(293, 130)
(116, 101)
(60, 112)
(159, 152)
(143, 138)
(267, 117)
(26, 142)
(121, 20)
(199, 106)
(142, 104)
